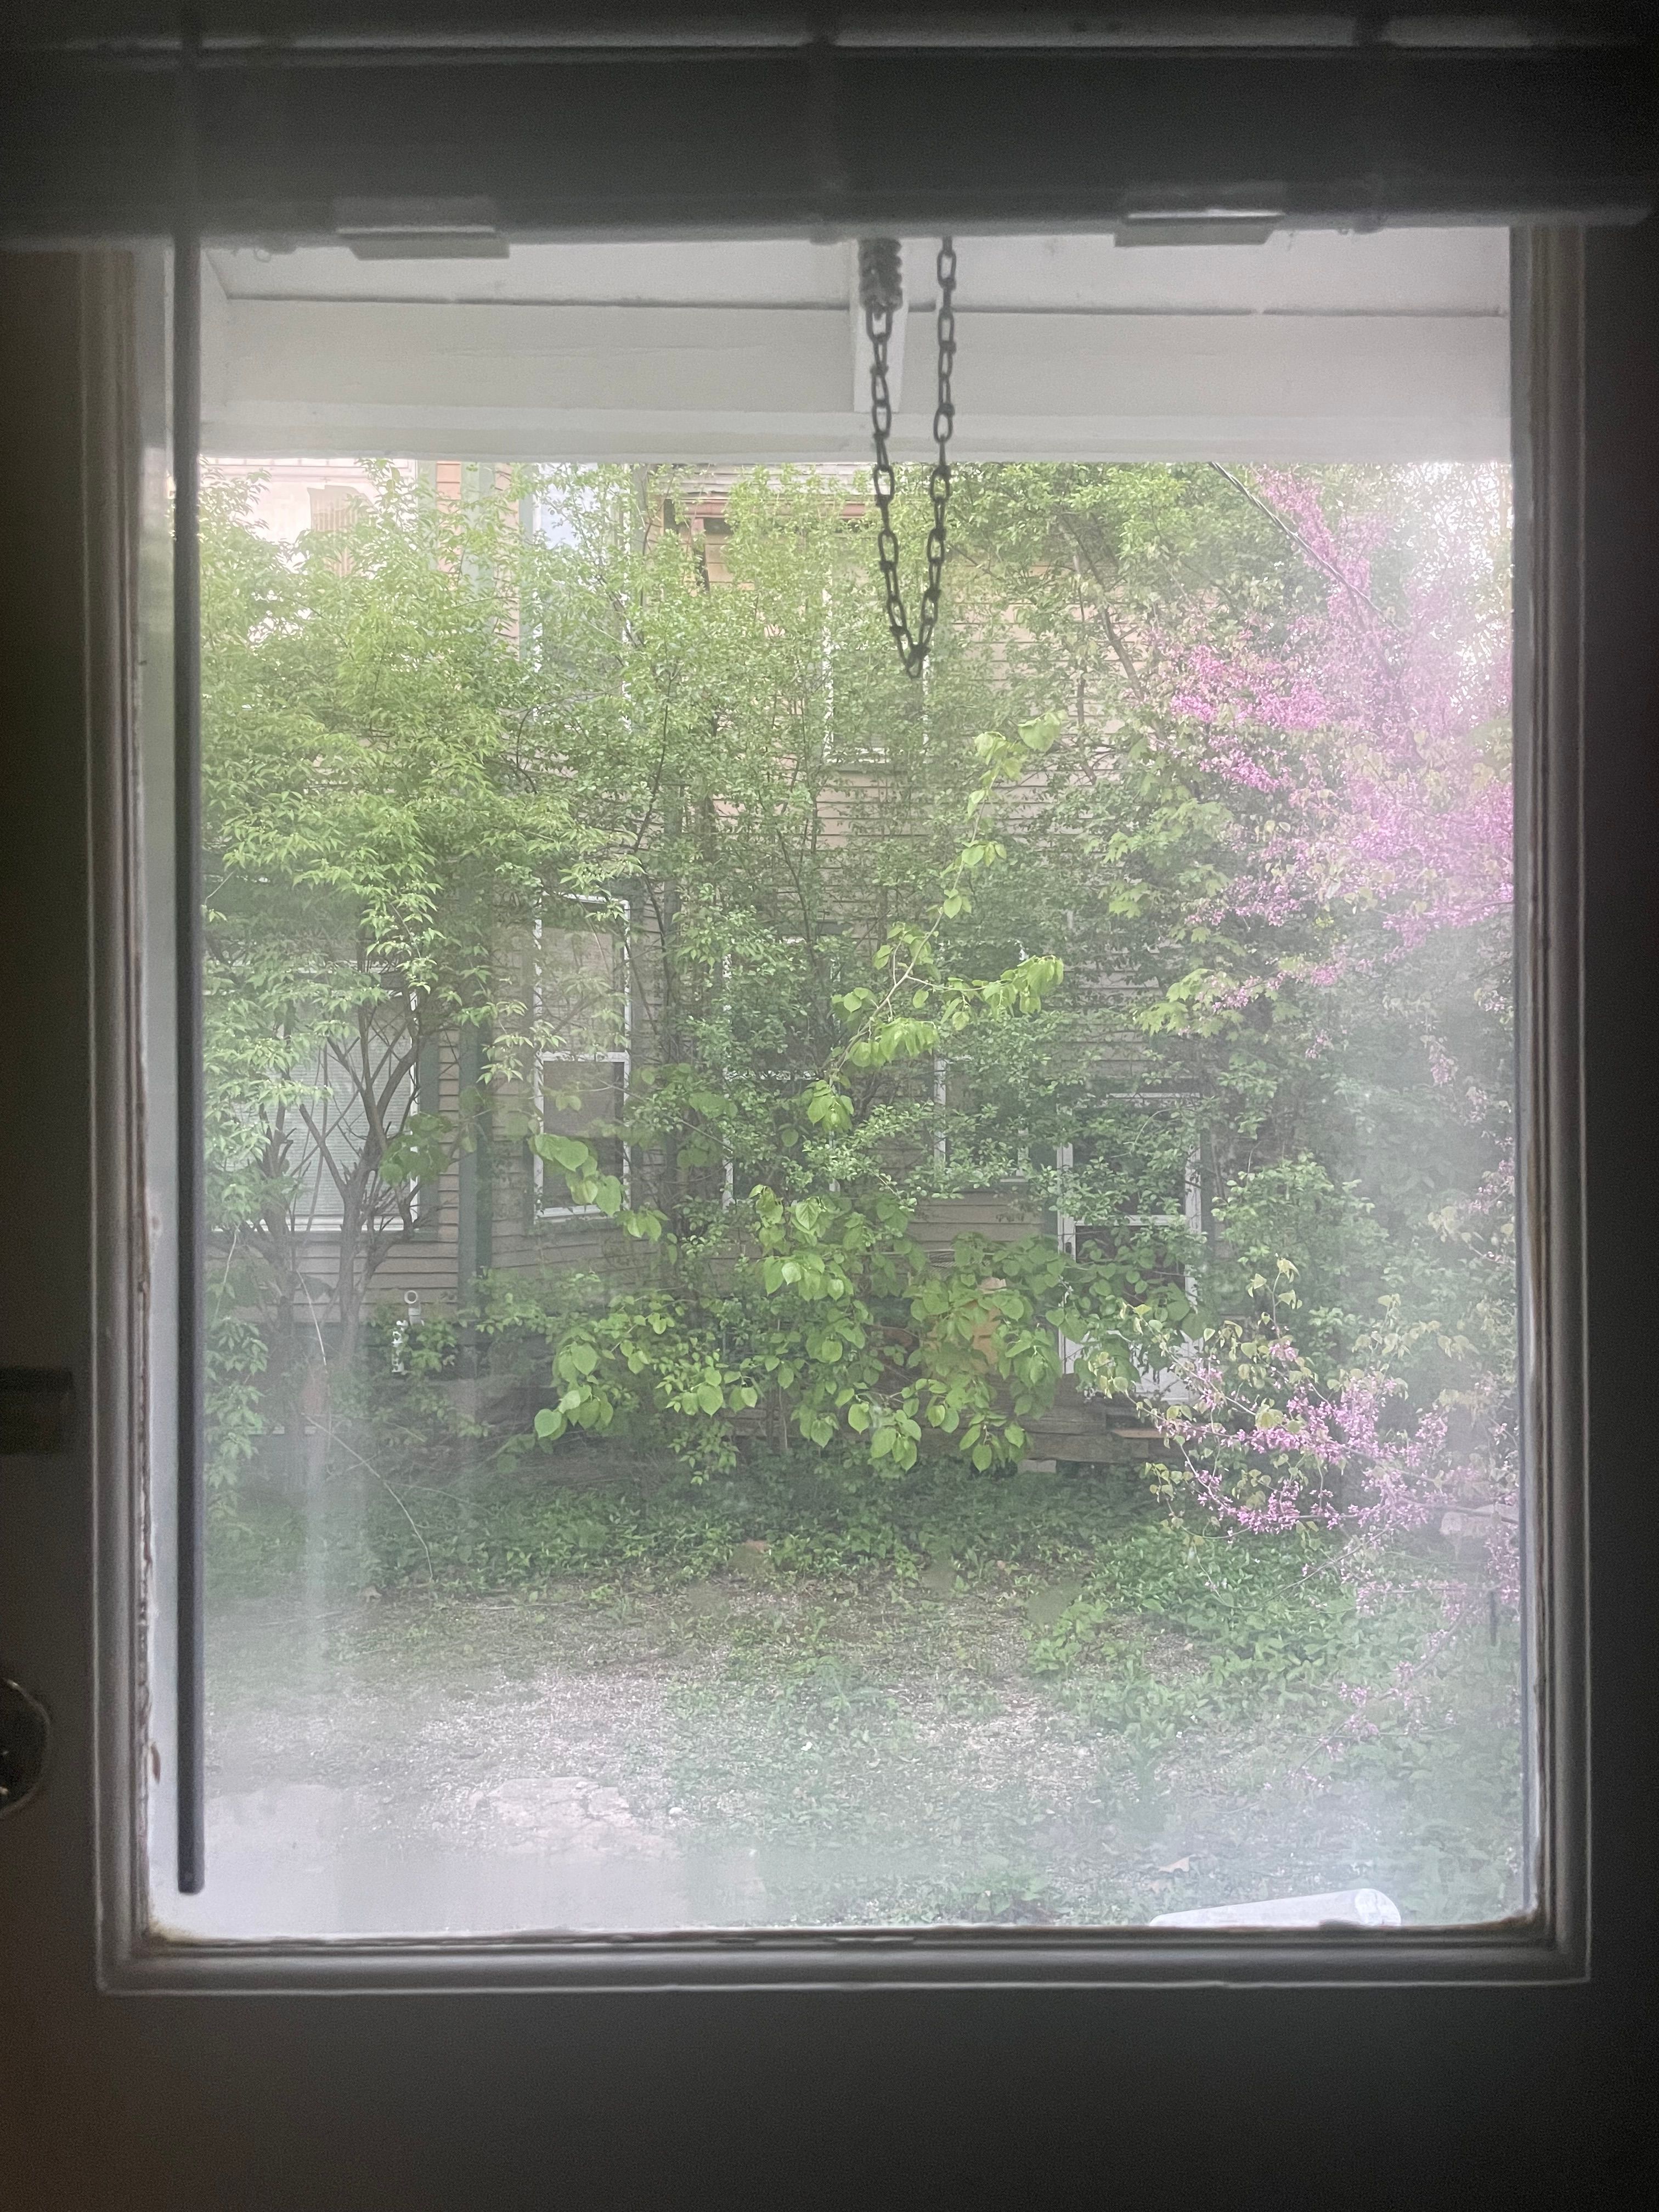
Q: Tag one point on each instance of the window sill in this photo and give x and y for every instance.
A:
(1510, 1952)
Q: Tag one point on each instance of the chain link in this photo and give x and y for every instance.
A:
(881, 293)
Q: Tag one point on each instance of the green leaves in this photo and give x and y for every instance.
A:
(1041, 735)
(566, 1152)
(603, 1191)
(827, 1108)
(939, 1006)
(841, 1321)
(1012, 757)
(980, 853)
(606, 1194)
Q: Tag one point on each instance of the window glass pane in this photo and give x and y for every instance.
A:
(839, 1297)
(582, 983)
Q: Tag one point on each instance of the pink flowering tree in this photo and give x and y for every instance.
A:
(1349, 742)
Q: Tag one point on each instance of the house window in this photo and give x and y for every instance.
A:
(332, 506)
(1153, 1226)
(327, 1147)
(582, 999)
(586, 1099)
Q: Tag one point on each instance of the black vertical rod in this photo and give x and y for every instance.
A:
(187, 924)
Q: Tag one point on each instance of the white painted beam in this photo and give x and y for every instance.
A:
(538, 381)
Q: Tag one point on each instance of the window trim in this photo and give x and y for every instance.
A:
(1549, 1944)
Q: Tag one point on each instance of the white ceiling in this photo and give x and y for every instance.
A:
(1311, 346)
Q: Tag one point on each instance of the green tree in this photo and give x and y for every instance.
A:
(380, 813)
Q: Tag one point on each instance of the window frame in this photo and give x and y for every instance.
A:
(1549, 1944)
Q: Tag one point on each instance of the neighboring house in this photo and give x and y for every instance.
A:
(295, 496)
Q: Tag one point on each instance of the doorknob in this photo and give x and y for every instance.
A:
(25, 1732)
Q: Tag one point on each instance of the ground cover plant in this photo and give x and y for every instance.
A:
(1166, 928)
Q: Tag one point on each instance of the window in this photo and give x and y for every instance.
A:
(1134, 1199)
(582, 1000)
(331, 507)
(959, 1203)
(327, 1152)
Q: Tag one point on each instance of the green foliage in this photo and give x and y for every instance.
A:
(837, 1318)
(579, 1164)
(825, 1517)
(886, 944)
(1172, 1628)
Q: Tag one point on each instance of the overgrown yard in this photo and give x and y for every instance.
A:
(805, 1694)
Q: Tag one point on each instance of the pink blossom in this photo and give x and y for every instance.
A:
(1378, 731)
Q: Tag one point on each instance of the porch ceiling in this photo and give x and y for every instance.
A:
(1312, 346)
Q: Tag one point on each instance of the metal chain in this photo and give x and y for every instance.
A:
(881, 293)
